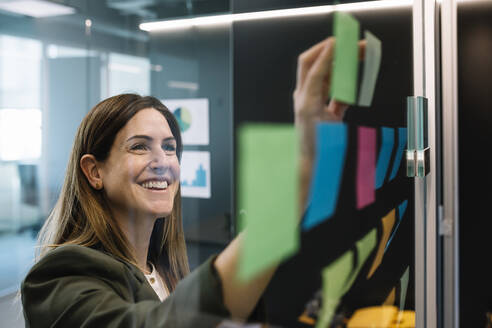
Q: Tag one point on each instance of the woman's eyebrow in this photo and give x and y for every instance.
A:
(142, 136)
(139, 136)
(169, 139)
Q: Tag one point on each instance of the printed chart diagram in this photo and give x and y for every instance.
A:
(195, 174)
(192, 116)
(184, 118)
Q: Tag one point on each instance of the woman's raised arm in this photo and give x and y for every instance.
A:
(310, 105)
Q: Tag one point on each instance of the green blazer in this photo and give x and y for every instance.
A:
(77, 286)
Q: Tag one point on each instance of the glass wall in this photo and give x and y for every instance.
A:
(380, 276)
(194, 81)
(21, 138)
(53, 70)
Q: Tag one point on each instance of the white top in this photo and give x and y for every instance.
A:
(157, 284)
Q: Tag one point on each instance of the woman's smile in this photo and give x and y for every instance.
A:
(155, 184)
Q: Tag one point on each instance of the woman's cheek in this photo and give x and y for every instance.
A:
(178, 173)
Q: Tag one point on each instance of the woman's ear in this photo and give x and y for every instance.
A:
(89, 166)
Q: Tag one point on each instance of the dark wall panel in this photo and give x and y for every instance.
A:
(265, 57)
(475, 175)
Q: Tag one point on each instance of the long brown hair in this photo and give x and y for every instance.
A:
(81, 215)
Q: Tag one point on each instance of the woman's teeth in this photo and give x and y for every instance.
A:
(155, 185)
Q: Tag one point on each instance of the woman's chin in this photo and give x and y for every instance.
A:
(157, 209)
(161, 213)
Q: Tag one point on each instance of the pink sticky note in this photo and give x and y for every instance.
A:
(366, 166)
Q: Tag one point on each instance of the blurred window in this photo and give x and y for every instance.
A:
(128, 74)
(20, 152)
(20, 72)
(57, 51)
(20, 134)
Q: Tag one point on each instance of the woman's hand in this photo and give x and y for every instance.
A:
(314, 69)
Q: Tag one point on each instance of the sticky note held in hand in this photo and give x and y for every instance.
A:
(345, 66)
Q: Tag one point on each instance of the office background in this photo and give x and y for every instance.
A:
(54, 69)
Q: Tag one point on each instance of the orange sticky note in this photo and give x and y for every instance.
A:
(388, 223)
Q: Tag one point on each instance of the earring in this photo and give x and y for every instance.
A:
(98, 186)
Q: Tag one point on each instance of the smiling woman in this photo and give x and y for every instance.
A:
(140, 177)
(112, 252)
(116, 150)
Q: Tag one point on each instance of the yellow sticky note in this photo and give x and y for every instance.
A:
(374, 316)
(388, 222)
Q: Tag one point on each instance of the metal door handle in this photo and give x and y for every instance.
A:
(418, 151)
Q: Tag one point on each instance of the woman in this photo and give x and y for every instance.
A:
(112, 251)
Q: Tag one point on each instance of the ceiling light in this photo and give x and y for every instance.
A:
(228, 18)
(36, 8)
(192, 86)
(124, 68)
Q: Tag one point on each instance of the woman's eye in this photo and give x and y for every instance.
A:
(169, 148)
(139, 147)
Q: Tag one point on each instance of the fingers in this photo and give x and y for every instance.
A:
(306, 60)
(308, 57)
(362, 49)
(320, 73)
(335, 110)
(314, 79)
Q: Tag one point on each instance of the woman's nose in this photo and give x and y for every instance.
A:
(159, 161)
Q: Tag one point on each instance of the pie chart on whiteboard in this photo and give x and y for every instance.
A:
(183, 116)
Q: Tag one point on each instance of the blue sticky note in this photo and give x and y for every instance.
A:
(384, 157)
(402, 141)
(331, 148)
(401, 210)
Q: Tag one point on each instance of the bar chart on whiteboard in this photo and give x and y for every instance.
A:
(195, 174)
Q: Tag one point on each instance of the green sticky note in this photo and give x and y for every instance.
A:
(339, 276)
(267, 195)
(372, 62)
(345, 65)
(334, 278)
(404, 288)
(364, 248)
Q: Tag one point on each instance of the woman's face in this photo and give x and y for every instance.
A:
(141, 174)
